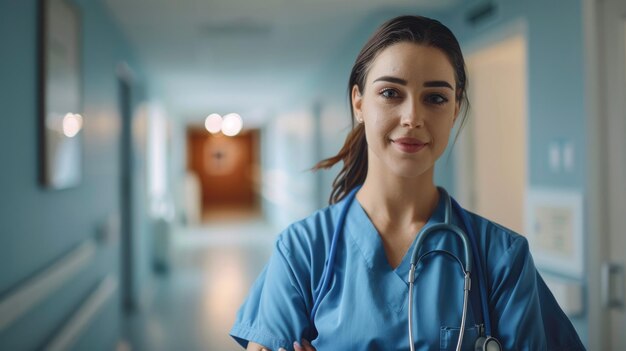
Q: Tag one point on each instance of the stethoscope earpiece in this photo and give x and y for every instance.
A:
(487, 343)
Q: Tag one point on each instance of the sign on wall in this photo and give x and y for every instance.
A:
(554, 228)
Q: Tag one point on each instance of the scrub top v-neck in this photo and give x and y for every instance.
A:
(365, 304)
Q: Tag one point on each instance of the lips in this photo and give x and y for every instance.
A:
(408, 145)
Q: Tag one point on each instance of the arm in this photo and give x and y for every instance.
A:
(513, 301)
(523, 312)
(275, 313)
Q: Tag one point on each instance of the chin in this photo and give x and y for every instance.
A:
(410, 171)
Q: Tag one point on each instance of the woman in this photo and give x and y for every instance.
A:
(407, 88)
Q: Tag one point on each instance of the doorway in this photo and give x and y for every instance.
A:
(227, 171)
(491, 152)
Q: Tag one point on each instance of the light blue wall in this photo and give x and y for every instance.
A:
(38, 226)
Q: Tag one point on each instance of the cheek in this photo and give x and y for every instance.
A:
(446, 119)
(375, 130)
(379, 121)
(442, 133)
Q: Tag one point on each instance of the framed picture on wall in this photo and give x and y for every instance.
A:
(60, 98)
(554, 229)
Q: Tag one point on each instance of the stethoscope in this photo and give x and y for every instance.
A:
(485, 341)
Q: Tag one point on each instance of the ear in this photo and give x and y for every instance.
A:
(357, 101)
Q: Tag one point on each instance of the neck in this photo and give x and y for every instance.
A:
(397, 201)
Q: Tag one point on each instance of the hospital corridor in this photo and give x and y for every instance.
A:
(199, 174)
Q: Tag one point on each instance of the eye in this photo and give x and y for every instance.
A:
(436, 99)
(389, 93)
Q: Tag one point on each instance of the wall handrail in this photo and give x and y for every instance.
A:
(71, 331)
(38, 287)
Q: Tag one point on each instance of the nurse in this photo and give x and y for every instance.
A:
(407, 90)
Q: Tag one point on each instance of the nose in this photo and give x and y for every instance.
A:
(412, 117)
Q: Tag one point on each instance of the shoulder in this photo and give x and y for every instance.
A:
(497, 242)
(304, 245)
(492, 235)
(311, 235)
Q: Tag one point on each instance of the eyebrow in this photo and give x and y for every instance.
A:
(391, 79)
(429, 84)
(438, 84)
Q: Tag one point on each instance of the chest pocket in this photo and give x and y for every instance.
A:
(449, 336)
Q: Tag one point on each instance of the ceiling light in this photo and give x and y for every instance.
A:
(232, 124)
(72, 124)
(213, 123)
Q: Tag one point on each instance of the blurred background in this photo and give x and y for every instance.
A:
(152, 151)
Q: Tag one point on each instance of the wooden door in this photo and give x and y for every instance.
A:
(226, 167)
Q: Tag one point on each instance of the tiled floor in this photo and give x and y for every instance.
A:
(194, 306)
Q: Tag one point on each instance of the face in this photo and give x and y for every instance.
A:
(408, 106)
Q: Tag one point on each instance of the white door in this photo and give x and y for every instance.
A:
(606, 48)
(491, 152)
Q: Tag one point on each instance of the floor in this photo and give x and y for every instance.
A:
(195, 304)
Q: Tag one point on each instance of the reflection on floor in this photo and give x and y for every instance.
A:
(194, 305)
(225, 213)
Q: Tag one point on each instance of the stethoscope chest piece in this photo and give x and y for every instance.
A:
(487, 343)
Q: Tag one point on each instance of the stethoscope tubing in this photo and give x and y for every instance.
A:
(326, 276)
(446, 227)
(479, 270)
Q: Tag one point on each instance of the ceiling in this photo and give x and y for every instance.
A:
(245, 56)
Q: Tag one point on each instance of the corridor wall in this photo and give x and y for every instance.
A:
(39, 226)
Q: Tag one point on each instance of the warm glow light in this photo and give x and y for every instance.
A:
(72, 124)
(226, 279)
(213, 123)
(232, 124)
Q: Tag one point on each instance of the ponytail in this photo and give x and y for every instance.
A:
(354, 157)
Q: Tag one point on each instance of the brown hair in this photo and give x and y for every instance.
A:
(414, 29)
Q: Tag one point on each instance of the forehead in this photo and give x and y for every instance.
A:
(412, 62)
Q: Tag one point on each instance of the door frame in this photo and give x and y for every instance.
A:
(604, 25)
(128, 271)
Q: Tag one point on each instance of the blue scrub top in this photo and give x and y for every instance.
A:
(366, 304)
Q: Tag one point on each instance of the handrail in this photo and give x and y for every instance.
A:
(38, 287)
(75, 326)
